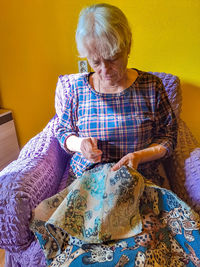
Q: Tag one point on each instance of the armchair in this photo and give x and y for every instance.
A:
(41, 171)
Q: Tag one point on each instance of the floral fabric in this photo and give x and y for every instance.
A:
(117, 219)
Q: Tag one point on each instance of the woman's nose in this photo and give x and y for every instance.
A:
(105, 67)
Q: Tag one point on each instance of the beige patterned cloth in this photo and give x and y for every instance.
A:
(102, 205)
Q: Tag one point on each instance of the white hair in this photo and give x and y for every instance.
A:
(105, 28)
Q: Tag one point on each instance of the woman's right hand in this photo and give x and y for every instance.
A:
(89, 149)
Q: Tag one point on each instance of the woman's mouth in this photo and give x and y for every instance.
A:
(108, 77)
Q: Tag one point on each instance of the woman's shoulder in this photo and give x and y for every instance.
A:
(147, 76)
(73, 78)
(73, 84)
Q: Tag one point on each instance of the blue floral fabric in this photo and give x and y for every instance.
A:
(117, 219)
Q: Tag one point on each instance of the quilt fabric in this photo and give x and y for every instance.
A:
(117, 219)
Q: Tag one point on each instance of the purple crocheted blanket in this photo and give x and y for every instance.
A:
(24, 183)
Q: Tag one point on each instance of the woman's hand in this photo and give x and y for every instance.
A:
(87, 146)
(153, 152)
(132, 160)
(90, 150)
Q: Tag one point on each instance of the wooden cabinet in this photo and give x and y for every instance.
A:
(9, 148)
(2, 257)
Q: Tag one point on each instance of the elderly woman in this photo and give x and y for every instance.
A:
(114, 114)
(116, 121)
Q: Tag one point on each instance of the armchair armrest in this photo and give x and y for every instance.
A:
(176, 167)
(24, 183)
(192, 182)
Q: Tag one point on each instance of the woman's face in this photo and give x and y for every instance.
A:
(109, 70)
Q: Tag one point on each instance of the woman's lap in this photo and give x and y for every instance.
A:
(169, 234)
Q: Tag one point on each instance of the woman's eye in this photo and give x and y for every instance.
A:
(96, 63)
(112, 59)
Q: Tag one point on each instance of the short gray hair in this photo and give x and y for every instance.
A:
(106, 27)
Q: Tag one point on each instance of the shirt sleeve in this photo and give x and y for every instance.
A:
(165, 128)
(67, 119)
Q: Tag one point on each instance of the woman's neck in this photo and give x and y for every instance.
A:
(116, 87)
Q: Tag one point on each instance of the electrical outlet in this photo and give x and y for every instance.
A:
(83, 66)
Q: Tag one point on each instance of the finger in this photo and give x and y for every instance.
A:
(97, 152)
(93, 141)
(119, 164)
(96, 159)
(95, 149)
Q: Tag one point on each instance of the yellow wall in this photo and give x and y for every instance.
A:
(37, 44)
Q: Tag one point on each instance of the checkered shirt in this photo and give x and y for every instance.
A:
(124, 122)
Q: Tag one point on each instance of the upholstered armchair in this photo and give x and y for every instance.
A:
(41, 170)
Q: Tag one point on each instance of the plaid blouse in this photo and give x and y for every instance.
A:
(124, 122)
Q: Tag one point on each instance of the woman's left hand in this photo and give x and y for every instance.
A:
(132, 160)
(153, 152)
